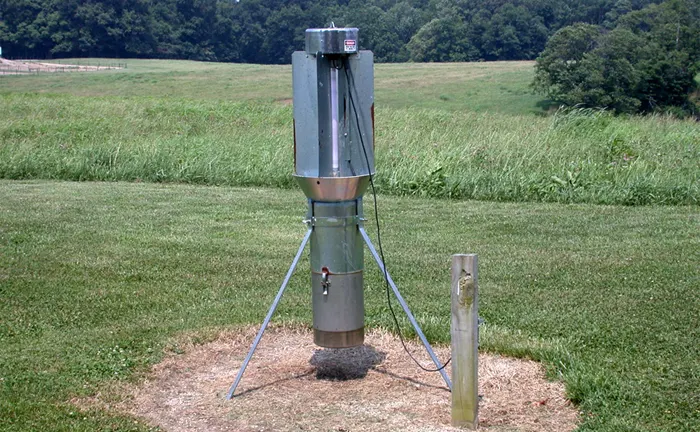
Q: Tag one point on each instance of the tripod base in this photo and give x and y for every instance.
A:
(338, 339)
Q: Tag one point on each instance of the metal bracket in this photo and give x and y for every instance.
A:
(333, 221)
(292, 267)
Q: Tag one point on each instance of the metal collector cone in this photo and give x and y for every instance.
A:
(333, 189)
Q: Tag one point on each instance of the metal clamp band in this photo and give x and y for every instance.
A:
(334, 222)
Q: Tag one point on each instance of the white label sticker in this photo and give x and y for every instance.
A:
(350, 45)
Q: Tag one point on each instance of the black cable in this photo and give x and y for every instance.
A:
(351, 80)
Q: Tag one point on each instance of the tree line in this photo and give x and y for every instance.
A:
(268, 31)
(647, 63)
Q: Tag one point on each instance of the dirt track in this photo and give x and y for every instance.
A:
(20, 67)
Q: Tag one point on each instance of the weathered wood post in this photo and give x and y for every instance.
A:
(465, 341)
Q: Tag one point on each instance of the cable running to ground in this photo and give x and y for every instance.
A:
(351, 80)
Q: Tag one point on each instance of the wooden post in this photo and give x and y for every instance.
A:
(465, 341)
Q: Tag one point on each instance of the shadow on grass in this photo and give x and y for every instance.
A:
(411, 380)
(260, 387)
(547, 106)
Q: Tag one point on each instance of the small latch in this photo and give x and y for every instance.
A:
(325, 281)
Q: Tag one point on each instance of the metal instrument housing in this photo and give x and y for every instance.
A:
(333, 86)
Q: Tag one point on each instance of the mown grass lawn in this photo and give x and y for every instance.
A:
(97, 279)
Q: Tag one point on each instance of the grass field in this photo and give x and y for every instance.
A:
(93, 126)
(97, 279)
(495, 87)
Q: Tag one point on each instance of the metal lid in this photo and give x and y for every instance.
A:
(332, 41)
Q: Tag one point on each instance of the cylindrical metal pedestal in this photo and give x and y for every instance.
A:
(336, 274)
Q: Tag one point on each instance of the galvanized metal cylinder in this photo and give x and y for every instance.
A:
(337, 256)
(333, 86)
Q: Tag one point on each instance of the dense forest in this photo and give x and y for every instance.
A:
(647, 63)
(267, 31)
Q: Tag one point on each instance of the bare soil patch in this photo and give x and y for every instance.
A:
(19, 67)
(292, 385)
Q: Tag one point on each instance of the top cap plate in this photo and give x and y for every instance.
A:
(332, 41)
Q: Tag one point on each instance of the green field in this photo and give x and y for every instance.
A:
(97, 278)
(590, 267)
(466, 131)
(495, 86)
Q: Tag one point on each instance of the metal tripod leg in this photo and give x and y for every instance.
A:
(405, 308)
(269, 315)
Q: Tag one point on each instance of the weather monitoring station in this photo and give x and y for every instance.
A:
(333, 86)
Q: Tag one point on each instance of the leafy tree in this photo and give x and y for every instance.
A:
(24, 27)
(403, 20)
(440, 41)
(648, 62)
(285, 32)
(513, 32)
(267, 31)
(251, 16)
(622, 7)
(561, 69)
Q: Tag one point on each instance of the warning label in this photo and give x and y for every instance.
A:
(350, 45)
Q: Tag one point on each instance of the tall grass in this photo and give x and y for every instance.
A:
(575, 156)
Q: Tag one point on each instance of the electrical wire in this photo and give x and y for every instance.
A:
(351, 80)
